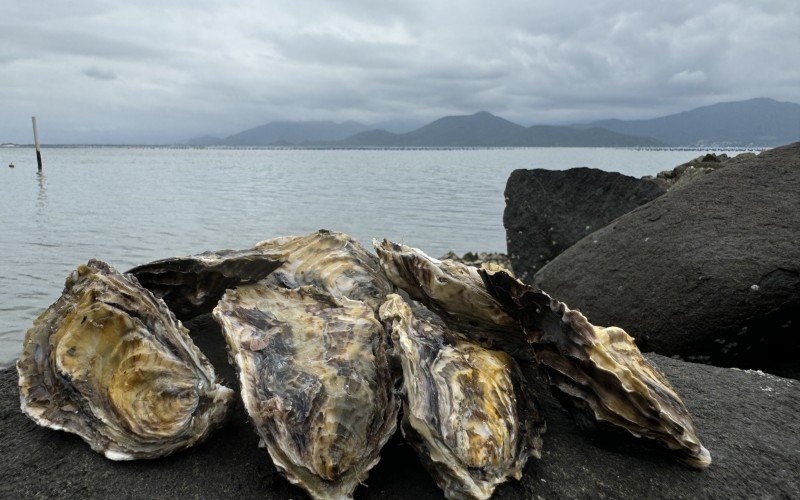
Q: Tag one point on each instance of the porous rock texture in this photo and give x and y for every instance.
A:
(549, 210)
(709, 271)
(747, 419)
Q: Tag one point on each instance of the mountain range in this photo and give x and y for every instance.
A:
(755, 122)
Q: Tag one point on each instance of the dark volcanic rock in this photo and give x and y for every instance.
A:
(697, 167)
(748, 421)
(549, 210)
(710, 271)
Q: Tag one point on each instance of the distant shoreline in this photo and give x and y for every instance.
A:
(384, 148)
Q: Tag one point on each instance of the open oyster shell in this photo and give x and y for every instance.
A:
(193, 285)
(315, 381)
(110, 363)
(467, 410)
(598, 373)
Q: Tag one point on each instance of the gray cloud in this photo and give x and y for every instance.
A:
(160, 72)
(99, 74)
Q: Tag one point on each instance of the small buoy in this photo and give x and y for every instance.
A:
(11, 165)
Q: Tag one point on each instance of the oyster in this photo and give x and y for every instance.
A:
(597, 373)
(329, 261)
(193, 285)
(109, 362)
(315, 381)
(467, 410)
(454, 291)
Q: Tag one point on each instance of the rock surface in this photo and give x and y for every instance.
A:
(748, 420)
(549, 210)
(697, 167)
(710, 271)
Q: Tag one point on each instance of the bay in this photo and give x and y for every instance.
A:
(130, 205)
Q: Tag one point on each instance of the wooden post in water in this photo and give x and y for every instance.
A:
(36, 141)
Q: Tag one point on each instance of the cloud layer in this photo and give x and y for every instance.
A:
(165, 71)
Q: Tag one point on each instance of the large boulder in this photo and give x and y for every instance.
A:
(549, 210)
(709, 271)
(697, 167)
(747, 420)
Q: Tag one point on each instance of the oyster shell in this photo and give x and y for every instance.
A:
(467, 410)
(454, 291)
(329, 261)
(315, 381)
(193, 285)
(109, 362)
(598, 373)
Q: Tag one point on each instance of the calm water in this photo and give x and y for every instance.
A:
(132, 205)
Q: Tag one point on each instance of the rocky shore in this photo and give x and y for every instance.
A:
(700, 264)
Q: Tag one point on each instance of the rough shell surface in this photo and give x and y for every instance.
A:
(454, 291)
(110, 363)
(467, 410)
(329, 261)
(315, 381)
(193, 285)
(598, 373)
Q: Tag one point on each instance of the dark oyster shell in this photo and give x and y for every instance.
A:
(193, 285)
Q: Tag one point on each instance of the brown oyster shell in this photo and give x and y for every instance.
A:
(315, 381)
(456, 293)
(467, 410)
(598, 373)
(110, 363)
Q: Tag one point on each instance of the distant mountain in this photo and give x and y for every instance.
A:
(398, 126)
(294, 133)
(206, 140)
(755, 122)
(487, 130)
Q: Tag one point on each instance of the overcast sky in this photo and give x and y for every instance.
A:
(140, 71)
